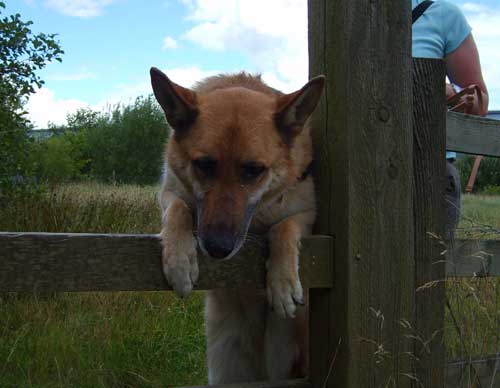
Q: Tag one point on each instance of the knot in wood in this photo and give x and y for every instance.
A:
(392, 170)
(383, 114)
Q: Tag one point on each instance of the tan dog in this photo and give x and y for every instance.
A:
(238, 162)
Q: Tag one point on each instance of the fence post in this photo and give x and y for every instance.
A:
(363, 146)
(429, 124)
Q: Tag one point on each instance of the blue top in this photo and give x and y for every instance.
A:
(438, 32)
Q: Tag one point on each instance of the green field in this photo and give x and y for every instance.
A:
(473, 314)
(125, 339)
(154, 339)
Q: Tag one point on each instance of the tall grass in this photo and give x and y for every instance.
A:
(121, 339)
(155, 339)
(85, 207)
(472, 324)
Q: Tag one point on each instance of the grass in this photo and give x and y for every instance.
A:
(120, 339)
(154, 339)
(472, 324)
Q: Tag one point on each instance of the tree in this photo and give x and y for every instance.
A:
(56, 159)
(128, 144)
(22, 54)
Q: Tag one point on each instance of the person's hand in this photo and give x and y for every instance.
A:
(468, 100)
(450, 91)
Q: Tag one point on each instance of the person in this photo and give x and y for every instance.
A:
(442, 31)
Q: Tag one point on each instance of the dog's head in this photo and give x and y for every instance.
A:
(232, 148)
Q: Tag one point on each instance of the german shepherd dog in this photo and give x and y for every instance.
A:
(237, 162)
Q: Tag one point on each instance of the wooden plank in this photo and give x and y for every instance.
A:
(46, 262)
(363, 147)
(429, 171)
(472, 134)
(474, 258)
(467, 372)
(300, 383)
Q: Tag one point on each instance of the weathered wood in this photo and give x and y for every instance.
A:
(472, 134)
(265, 384)
(46, 262)
(363, 146)
(474, 258)
(429, 171)
(468, 372)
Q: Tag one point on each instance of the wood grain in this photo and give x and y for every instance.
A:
(429, 171)
(47, 262)
(472, 134)
(363, 146)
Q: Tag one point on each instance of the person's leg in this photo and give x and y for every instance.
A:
(452, 197)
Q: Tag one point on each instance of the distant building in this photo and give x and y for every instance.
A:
(494, 114)
(40, 134)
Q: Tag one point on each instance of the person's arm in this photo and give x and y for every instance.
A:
(464, 69)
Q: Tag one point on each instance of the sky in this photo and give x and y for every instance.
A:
(111, 44)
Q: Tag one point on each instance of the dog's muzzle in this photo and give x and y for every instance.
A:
(218, 243)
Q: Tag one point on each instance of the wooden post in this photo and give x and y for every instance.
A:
(363, 145)
(429, 122)
(473, 174)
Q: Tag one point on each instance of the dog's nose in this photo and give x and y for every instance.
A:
(219, 246)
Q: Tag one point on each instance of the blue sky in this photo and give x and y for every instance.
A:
(111, 44)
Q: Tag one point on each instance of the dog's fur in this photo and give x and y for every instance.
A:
(233, 166)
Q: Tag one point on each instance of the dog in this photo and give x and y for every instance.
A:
(238, 162)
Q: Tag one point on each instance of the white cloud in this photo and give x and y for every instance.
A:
(484, 22)
(127, 93)
(274, 40)
(188, 76)
(79, 8)
(169, 43)
(43, 107)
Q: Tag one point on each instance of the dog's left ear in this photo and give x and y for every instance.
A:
(293, 110)
(178, 103)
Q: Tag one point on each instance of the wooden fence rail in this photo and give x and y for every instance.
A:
(472, 134)
(483, 371)
(47, 262)
(479, 258)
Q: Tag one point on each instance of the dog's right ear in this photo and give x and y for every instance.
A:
(178, 103)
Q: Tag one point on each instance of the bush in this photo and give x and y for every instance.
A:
(125, 145)
(128, 145)
(488, 173)
(58, 159)
(491, 190)
(22, 54)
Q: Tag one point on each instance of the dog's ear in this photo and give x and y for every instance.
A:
(178, 103)
(293, 110)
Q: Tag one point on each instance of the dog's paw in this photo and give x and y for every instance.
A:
(180, 264)
(284, 291)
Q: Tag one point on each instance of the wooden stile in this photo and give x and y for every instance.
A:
(48, 262)
(380, 173)
(363, 139)
(472, 134)
(429, 166)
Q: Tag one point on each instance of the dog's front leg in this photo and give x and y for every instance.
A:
(179, 256)
(284, 290)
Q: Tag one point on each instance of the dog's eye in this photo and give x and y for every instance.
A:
(252, 170)
(207, 166)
